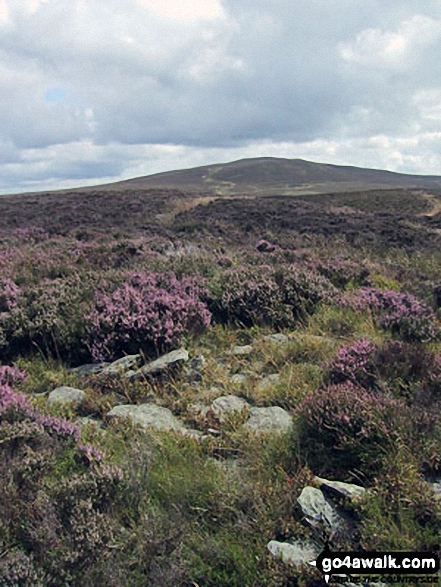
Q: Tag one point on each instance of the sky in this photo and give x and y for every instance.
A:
(94, 91)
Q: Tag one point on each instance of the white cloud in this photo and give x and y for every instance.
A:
(188, 10)
(396, 48)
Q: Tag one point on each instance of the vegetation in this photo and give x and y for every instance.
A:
(105, 502)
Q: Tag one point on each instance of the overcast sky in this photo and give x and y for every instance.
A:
(102, 90)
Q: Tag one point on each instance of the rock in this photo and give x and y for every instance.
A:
(319, 512)
(66, 395)
(122, 365)
(195, 368)
(242, 351)
(437, 490)
(298, 553)
(89, 369)
(273, 419)
(268, 381)
(228, 404)
(161, 366)
(340, 489)
(148, 416)
(198, 409)
(238, 379)
(87, 421)
(277, 338)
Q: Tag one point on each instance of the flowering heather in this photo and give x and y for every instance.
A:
(355, 363)
(9, 293)
(347, 426)
(401, 313)
(149, 311)
(342, 272)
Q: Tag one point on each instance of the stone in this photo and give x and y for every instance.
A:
(437, 490)
(268, 381)
(89, 369)
(122, 365)
(319, 512)
(66, 395)
(148, 416)
(238, 379)
(277, 338)
(195, 368)
(269, 420)
(198, 409)
(227, 404)
(162, 365)
(298, 553)
(242, 351)
(340, 489)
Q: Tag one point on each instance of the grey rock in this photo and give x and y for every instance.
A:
(195, 369)
(340, 489)
(319, 512)
(277, 338)
(272, 419)
(198, 409)
(162, 365)
(66, 395)
(148, 416)
(437, 490)
(242, 350)
(122, 365)
(298, 553)
(227, 404)
(89, 369)
(268, 381)
(238, 379)
(88, 421)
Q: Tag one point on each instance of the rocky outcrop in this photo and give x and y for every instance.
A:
(162, 366)
(273, 419)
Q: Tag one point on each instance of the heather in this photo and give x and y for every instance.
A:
(322, 307)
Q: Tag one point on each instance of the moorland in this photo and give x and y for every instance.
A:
(188, 360)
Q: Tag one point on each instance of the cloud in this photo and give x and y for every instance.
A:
(94, 87)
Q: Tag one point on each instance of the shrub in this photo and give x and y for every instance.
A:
(57, 492)
(343, 272)
(260, 295)
(401, 313)
(148, 311)
(345, 428)
(355, 363)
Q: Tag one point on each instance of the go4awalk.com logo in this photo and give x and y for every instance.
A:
(420, 566)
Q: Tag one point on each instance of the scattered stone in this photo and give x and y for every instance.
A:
(242, 351)
(277, 338)
(238, 379)
(298, 553)
(437, 490)
(268, 381)
(198, 409)
(87, 420)
(228, 404)
(319, 511)
(89, 369)
(273, 419)
(148, 416)
(66, 395)
(122, 365)
(340, 489)
(161, 366)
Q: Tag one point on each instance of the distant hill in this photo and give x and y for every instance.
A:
(270, 175)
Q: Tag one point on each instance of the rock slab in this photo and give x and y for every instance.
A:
(298, 553)
(148, 416)
(273, 419)
(66, 395)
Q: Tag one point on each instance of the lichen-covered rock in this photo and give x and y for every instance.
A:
(298, 553)
(227, 404)
(148, 416)
(268, 381)
(89, 369)
(273, 419)
(277, 338)
(238, 379)
(242, 350)
(66, 395)
(318, 510)
(340, 489)
(161, 366)
(122, 365)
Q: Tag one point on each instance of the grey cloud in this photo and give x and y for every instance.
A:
(270, 70)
